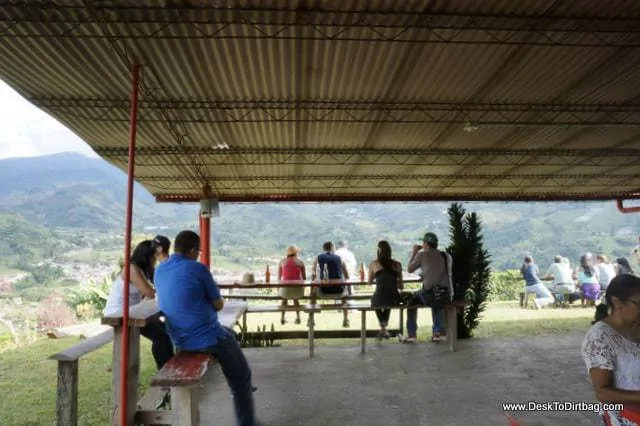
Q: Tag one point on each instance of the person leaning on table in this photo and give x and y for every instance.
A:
(291, 268)
(141, 272)
(611, 351)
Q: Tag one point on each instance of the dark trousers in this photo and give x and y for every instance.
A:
(383, 316)
(238, 374)
(161, 346)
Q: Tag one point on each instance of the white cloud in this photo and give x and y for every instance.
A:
(27, 131)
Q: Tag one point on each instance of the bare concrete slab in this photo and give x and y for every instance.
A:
(402, 384)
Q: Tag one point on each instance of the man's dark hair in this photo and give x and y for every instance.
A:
(528, 259)
(162, 242)
(327, 246)
(557, 259)
(186, 241)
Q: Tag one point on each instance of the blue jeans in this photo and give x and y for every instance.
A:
(238, 374)
(437, 316)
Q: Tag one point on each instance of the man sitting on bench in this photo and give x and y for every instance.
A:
(189, 298)
(336, 270)
(436, 267)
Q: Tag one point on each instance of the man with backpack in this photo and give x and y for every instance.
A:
(437, 286)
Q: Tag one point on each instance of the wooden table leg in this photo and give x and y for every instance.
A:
(311, 325)
(134, 367)
(452, 332)
(363, 331)
(401, 327)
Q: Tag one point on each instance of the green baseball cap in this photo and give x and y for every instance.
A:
(430, 238)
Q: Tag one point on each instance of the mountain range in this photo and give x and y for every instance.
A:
(44, 195)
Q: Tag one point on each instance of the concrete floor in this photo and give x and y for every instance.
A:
(400, 384)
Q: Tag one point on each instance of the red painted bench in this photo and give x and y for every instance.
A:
(182, 375)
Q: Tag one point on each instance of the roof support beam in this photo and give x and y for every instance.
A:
(396, 197)
(201, 22)
(210, 156)
(473, 114)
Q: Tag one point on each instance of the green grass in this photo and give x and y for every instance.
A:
(29, 393)
(28, 379)
(223, 262)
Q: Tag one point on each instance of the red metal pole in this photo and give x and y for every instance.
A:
(124, 356)
(205, 240)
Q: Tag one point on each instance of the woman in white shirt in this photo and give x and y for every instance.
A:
(141, 273)
(611, 352)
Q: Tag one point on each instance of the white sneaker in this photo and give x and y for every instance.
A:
(407, 339)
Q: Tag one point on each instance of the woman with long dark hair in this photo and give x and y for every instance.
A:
(142, 265)
(387, 275)
(611, 351)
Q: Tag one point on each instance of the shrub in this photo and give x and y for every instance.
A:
(89, 300)
(505, 285)
(53, 312)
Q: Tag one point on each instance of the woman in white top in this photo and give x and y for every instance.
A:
(611, 351)
(141, 273)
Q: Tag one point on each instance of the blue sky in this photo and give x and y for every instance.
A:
(27, 131)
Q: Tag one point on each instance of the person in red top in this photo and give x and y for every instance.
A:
(291, 268)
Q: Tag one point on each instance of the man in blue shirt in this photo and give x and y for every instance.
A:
(529, 271)
(189, 298)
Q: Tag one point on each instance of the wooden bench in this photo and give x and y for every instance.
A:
(308, 309)
(451, 321)
(180, 378)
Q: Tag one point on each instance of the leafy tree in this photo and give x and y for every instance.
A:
(471, 267)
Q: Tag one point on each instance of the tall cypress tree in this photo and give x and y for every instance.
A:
(471, 267)
(478, 291)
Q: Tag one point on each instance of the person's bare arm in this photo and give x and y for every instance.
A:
(344, 270)
(304, 271)
(371, 273)
(414, 263)
(141, 283)
(315, 268)
(602, 381)
(280, 271)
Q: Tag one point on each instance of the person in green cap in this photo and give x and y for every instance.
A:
(435, 266)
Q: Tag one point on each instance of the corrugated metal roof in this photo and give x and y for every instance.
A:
(344, 99)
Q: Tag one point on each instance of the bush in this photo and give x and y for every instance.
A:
(89, 300)
(54, 313)
(505, 285)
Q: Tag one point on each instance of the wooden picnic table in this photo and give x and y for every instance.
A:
(304, 283)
